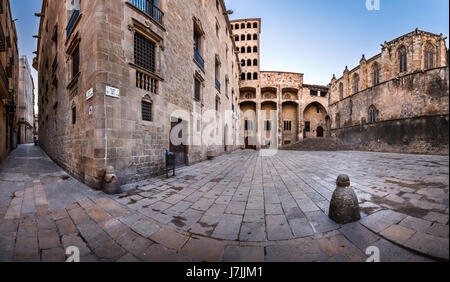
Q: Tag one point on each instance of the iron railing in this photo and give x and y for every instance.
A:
(73, 19)
(147, 7)
(198, 58)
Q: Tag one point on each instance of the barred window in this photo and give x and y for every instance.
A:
(144, 52)
(146, 111)
(287, 125)
(197, 89)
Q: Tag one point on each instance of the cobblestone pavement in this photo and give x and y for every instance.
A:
(237, 207)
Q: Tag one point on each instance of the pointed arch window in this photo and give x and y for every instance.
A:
(403, 60)
(341, 91)
(372, 114)
(356, 83)
(255, 36)
(376, 74)
(429, 56)
(255, 62)
(255, 49)
(255, 76)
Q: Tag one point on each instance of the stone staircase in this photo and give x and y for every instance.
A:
(318, 144)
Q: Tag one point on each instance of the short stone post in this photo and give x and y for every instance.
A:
(344, 206)
(110, 183)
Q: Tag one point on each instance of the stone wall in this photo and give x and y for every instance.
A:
(411, 115)
(110, 130)
(9, 77)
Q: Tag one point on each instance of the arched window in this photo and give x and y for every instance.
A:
(249, 76)
(236, 38)
(356, 83)
(249, 62)
(338, 120)
(341, 91)
(372, 114)
(249, 25)
(236, 26)
(402, 54)
(376, 74)
(429, 56)
(242, 25)
(350, 108)
(242, 63)
(255, 76)
(255, 62)
(249, 49)
(237, 49)
(243, 76)
(255, 36)
(249, 37)
(242, 37)
(255, 49)
(243, 50)
(255, 25)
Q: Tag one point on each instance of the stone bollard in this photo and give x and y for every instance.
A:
(111, 184)
(344, 206)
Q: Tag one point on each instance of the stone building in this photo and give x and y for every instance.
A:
(25, 103)
(299, 110)
(115, 77)
(396, 101)
(9, 69)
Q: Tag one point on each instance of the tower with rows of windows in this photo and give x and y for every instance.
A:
(278, 108)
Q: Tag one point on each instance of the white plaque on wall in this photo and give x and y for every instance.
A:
(112, 92)
(89, 94)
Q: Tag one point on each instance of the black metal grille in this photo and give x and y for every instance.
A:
(146, 111)
(197, 90)
(75, 62)
(144, 52)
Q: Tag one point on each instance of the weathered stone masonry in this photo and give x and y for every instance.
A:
(396, 101)
(86, 134)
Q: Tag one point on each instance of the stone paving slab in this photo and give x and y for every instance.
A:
(238, 207)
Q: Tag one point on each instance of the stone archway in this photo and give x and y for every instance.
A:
(314, 117)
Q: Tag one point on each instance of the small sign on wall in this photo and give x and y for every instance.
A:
(112, 92)
(89, 94)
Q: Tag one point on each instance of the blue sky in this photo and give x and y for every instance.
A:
(314, 37)
(320, 37)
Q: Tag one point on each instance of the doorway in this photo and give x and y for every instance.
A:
(320, 132)
(179, 150)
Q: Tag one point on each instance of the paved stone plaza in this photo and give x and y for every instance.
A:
(237, 207)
